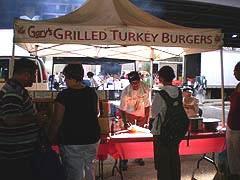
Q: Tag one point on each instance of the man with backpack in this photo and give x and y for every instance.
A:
(169, 126)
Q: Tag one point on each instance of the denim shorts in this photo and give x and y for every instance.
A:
(78, 161)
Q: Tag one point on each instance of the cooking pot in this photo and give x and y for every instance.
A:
(196, 124)
(211, 124)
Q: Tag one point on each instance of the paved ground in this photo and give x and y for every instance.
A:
(147, 172)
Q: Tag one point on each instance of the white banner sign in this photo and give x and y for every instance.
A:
(28, 32)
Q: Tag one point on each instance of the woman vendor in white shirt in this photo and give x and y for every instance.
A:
(190, 103)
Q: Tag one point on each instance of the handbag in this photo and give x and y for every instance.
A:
(46, 164)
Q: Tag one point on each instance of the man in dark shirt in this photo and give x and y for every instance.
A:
(18, 123)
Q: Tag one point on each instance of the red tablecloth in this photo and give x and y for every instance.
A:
(142, 147)
(134, 146)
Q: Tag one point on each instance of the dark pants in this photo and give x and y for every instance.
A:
(16, 169)
(166, 160)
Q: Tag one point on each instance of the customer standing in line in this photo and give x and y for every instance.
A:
(19, 123)
(166, 157)
(135, 106)
(233, 129)
(76, 123)
(95, 81)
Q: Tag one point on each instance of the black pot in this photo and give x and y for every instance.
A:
(196, 124)
(211, 124)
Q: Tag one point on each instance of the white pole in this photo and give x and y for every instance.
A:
(222, 88)
(36, 77)
(184, 78)
(151, 68)
(11, 63)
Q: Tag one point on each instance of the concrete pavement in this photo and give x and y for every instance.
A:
(206, 170)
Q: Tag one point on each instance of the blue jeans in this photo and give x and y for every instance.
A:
(78, 161)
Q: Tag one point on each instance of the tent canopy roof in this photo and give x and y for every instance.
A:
(113, 29)
(112, 13)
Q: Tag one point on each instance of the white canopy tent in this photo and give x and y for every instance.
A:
(113, 29)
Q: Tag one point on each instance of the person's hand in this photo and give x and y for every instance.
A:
(146, 125)
(126, 124)
(187, 106)
(150, 124)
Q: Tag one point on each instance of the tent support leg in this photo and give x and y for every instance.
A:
(222, 88)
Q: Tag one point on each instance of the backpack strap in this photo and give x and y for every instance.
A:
(168, 100)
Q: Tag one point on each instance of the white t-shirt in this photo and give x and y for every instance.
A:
(135, 101)
(194, 102)
(95, 81)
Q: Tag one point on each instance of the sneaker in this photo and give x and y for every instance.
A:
(124, 165)
(140, 161)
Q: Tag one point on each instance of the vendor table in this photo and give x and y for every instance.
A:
(140, 145)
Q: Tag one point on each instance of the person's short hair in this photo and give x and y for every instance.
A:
(90, 74)
(237, 66)
(74, 71)
(133, 76)
(24, 65)
(167, 73)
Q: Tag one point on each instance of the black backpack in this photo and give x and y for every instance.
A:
(176, 122)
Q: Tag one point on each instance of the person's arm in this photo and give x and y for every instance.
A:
(147, 112)
(98, 108)
(123, 107)
(188, 106)
(95, 82)
(196, 106)
(124, 119)
(147, 102)
(59, 110)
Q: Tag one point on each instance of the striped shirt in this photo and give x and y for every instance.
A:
(16, 141)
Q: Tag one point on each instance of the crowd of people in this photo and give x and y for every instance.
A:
(75, 127)
(56, 81)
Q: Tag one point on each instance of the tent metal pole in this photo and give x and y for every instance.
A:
(151, 68)
(52, 79)
(222, 88)
(11, 65)
(151, 73)
(36, 56)
(184, 78)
